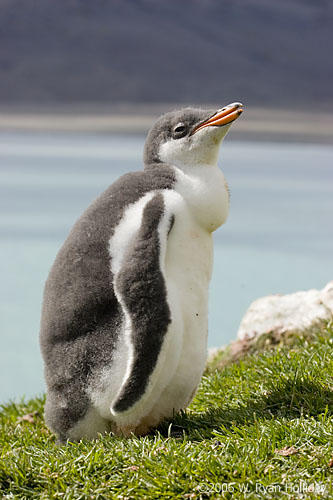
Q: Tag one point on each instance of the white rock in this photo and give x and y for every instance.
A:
(298, 312)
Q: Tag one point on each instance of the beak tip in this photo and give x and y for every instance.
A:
(235, 105)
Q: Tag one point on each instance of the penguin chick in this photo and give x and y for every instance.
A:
(124, 319)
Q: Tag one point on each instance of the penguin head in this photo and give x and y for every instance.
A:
(189, 136)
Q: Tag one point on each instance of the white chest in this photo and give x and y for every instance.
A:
(199, 208)
(189, 258)
(200, 204)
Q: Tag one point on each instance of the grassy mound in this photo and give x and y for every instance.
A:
(261, 427)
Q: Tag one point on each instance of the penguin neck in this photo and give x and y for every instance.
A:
(206, 155)
(205, 190)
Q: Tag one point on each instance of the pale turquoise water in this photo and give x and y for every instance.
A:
(278, 239)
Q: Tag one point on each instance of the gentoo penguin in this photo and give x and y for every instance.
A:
(124, 318)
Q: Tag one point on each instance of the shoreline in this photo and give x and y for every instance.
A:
(257, 124)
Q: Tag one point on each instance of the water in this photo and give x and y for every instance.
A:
(278, 238)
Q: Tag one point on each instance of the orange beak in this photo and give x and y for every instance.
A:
(223, 116)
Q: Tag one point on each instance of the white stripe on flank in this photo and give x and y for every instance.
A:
(124, 235)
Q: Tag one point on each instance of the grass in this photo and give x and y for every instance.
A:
(261, 427)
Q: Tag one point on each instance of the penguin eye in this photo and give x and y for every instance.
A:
(179, 131)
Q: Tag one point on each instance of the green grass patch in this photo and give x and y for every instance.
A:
(261, 427)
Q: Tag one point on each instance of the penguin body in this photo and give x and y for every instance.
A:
(124, 319)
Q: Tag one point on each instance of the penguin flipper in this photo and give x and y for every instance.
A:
(141, 288)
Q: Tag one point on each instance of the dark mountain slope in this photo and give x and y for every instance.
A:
(264, 52)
